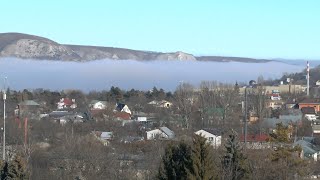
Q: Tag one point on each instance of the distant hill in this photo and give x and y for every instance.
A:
(34, 47)
(300, 77)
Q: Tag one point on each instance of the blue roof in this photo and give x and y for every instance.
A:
(307, 147)
(120, 106)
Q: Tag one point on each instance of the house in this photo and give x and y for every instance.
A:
(103, 137)
(122, 116)
(318, 83)
(275, 97)
(252, 138)
(256, 141)
(161, 133)
(308, 102)
(309, 113)
(162, 104)
(59, 114)
(309, 151)
(96, 105)
(315, 127)
(66, 103)
(287, 120)
(120, 107)
(291, 104)
(26, 107)
(213, 136)
(28, 104)
(142, 119)
(275, 104)
(74, 118)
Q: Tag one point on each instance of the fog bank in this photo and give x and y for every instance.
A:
(127, 74)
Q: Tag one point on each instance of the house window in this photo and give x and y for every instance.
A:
(210, 138)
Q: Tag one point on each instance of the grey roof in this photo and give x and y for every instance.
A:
(291, 117)
(58, 114)
(167, 131)
(29, 103)
(284, 119)
(308, 139)
(214, 131)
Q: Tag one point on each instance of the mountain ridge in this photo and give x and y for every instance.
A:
(27, 46)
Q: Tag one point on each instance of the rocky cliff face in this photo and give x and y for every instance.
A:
(34, 47)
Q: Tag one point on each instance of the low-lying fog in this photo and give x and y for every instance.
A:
(127, 74)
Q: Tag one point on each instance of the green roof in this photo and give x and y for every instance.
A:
(29, 103)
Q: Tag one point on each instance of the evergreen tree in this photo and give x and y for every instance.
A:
(202, 160)
(176, 162)
(235, 165)
(14, 170)
(281, 134)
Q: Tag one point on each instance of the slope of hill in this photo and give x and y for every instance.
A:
(34, 47)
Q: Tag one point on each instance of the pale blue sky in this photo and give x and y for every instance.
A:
(246, 28)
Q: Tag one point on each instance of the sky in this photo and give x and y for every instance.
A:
(244, 28)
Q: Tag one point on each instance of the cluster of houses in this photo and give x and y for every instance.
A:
(307, 108)
(291, 114)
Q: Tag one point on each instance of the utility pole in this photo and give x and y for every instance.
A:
(4, 126)
(4, 121)
(308, 78)
(245, 116)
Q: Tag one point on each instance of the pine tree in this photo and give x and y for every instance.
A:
(235, 165)
(176, 162)
(14, 170)
(202, 160)
(281, 134)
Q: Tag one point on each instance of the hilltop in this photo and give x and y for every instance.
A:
(26, 46)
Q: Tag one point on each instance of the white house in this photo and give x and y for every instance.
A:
(277, 104)
(142, 119)
(122, 108)
(165, 104)
(275, 97)
(103, 137)
(309, 151)
(154, 134)
(162, 104)
(212, 137)
(65, 103)
(161, 133)
(96, 104)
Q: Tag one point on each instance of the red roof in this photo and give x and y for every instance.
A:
(122, 115)
(275, 95)
(255, 138)
(67, 101)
